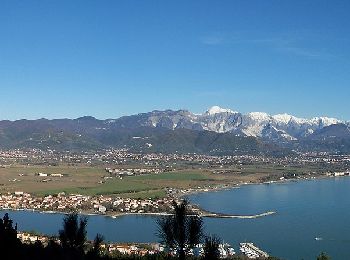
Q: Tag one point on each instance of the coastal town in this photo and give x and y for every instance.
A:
(249, 250)
(123, 166)
(162, 162)
(113, 172)
(81, 203)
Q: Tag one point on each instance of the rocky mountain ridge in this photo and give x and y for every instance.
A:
(216, 131)
(257, 124)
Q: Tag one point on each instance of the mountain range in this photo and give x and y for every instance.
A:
(217, 130)
(219, 120)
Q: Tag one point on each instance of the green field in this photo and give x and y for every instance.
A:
(87, 180)
(150, 185)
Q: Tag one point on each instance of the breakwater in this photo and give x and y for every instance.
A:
(208, 214)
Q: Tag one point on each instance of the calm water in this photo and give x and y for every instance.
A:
(305, 210)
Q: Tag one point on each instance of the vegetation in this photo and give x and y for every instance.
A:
(66, 134)
(180, 231)
(8, 237)
(73, 234)
(80, 179)
(211, 248)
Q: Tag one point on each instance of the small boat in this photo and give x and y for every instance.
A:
(318, 238)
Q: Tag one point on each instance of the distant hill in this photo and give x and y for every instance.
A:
(88, 133)
(333, 138)
(217, 131)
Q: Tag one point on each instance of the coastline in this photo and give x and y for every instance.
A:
(231, 186)
(201, 212)
(204, 214)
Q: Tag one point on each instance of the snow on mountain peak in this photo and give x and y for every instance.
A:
(259, 116)
(283, 118)
(257, 124)
(216, 110)
(286, 118)
(325, 121)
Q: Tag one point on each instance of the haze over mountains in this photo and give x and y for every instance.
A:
(217, 130)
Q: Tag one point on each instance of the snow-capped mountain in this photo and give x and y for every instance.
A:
(216, 130)
(217, 110)
(280, 127)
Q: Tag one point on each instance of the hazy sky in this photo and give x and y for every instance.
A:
(112, 58)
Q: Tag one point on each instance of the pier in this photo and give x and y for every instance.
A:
(204, 214)
(208, 214)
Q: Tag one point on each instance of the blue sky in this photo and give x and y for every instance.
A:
(65, 59)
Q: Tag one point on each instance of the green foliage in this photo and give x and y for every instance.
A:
(73, 234)
(9, 243)
(211, 248)
(95, 251)
(180, 231)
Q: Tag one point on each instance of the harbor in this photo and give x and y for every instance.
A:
(252, 251)
(225, 250)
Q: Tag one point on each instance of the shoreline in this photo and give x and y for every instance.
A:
(201, 212)
(239, 185)
(204, 214)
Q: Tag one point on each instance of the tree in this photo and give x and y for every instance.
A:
(180, 231)
(211, 248)
(73, 234)
(323, 256)
(94, 252)
(53, 250)
(9, 244)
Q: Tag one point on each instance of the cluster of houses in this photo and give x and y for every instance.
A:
(132, 171)
(29, 238)
(41, 174)
(337, 174)
(111, 248)
(90, 204)
(140, 249)
(225, 250)
(133, 249)
(153, 162)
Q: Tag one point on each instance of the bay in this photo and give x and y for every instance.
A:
(305, 210)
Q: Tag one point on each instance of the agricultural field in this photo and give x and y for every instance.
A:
(91, 181)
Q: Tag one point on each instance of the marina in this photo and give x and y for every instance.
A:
(252, 251)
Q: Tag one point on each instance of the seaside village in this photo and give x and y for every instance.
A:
(112, 207)
(87, 204)
(141, 249)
